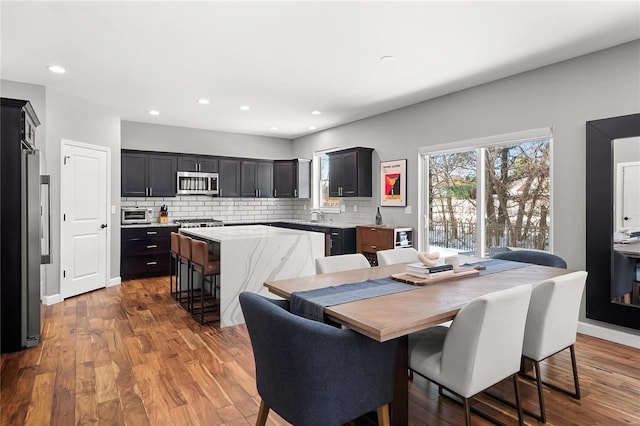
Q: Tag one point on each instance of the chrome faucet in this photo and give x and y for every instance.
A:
(316, 215)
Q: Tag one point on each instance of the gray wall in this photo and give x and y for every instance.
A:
(155, 137)
(563, 96)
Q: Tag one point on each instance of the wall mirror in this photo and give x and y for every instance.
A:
(612, 250)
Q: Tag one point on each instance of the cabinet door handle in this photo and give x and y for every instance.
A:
(152, 232)
(334, 233)
(295, 193)
(152, 263)
(275, 193)
(150, 192)
(152, 246)
(259, 193)
(374, 247)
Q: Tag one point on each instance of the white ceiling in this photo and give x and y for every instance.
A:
(285, 59)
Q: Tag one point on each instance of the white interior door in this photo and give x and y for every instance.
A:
(631, 197)
(84, 204)
(627, 199)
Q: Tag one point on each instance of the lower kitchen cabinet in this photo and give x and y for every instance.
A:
(145, 251)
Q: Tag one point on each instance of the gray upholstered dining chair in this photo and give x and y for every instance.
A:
(482, 347)
(532, 256)
(343, 262)
(624, 273)
(393, 256)
(313, 374)
(552, 323)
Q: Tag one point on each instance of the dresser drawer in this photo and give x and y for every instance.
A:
(148, 232)
(144, 266)
(146, 246)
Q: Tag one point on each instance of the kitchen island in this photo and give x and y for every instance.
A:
(253, 254)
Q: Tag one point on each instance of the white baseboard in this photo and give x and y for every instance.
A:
(51, 300)
(114, 281)
(611, 335)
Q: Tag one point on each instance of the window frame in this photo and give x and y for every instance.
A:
(477, 144)
(317, 192)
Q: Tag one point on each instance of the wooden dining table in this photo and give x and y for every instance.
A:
(395, 316)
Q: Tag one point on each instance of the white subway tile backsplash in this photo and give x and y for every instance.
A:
(249, 209)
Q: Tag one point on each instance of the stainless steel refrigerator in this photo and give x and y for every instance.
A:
(20, 231)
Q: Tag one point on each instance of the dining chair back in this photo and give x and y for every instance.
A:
(624, 274)
(552, 324)
(343, 262)
(393, 256)
(313, 374)
(482, 347)
(532, 256)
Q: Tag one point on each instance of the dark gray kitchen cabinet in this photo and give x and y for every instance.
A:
(145, 251)
(292, 178)
(257, 178)
(148, 174)
(343, 241)
(350, 173)
(230, 177)
(194, 163)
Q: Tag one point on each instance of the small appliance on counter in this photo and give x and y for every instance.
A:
(136, 215)
(164, 214)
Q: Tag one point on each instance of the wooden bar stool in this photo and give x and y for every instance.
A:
(209, 267)
(185, 259)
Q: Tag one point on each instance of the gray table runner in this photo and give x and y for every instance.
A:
(497, 265)
(311, 303)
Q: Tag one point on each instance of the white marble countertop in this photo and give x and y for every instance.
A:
(224, 233)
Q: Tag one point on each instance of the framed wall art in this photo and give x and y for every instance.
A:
(393, 183)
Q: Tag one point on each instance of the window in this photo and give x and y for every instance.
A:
(489, 195)
(321, 199)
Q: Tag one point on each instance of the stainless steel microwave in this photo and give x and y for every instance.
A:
(133, 215)
(197, 183)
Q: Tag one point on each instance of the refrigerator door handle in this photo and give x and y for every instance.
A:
(45, 219)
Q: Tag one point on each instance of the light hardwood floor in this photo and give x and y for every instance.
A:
(131, 355)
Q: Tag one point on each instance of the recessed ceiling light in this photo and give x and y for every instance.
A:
(245, 108)
(387, 58)
(154, 112)
(56, 69)
(203, 101)
(316, 112)
(312, 127)
(273, 128)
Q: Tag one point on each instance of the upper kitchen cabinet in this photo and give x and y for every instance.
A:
(350, 173)
(292, 178)
(193, 163)
(257, 178)
(148, 174)
(229, 180)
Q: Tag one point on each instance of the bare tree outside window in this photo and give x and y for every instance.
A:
(517, 197)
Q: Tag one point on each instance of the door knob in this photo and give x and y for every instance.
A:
(104, 225)
(626, 218)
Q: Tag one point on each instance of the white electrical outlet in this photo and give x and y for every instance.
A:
(407, 210)
(355, 208)
(343, 208)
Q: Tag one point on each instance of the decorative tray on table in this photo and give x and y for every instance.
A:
(460, 273)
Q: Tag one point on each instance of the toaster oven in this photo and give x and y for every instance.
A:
(134, 215)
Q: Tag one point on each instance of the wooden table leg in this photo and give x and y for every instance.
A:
(400, 405)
